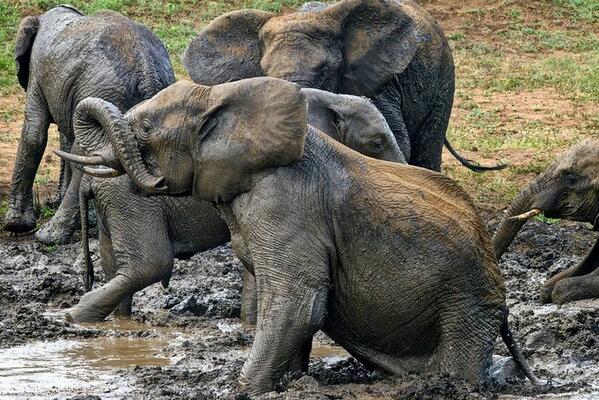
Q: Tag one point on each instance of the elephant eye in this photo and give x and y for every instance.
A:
(572, 179)
(377, 145)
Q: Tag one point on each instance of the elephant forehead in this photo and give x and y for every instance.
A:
(302, 23)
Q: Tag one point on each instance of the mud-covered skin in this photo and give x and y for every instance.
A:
(310, 217)
(63, 57)
(392, 52)
(139, 238)
(355, 122)
(567, 189)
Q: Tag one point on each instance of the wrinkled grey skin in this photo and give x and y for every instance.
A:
(148, 232)
(355, 122)
(63, 57)
(389, 51)
(568, 189)
(139, 237)
(322, 228)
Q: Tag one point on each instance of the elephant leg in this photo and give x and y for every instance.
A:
(249, 299)
(576, 288)
(66, 221)
(586, 266)
(109, 265)
(427, 143)
(66, 144)
(20, 216)
(467, 340)
(285, 327)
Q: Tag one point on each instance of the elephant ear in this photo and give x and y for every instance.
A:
(247, 127)
(23, 44)
(268, 115)
(228, 49)
(379, 39)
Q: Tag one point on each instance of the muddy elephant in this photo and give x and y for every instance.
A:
(139, 236)
(63, 57)
(568, 189)
(392, 52)
(323, 229)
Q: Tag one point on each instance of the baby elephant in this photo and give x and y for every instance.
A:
(63, 57)
(568, 189)
(140, 236)
(391, 261)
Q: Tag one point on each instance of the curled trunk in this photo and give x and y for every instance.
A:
(101, 129)
(508, 228)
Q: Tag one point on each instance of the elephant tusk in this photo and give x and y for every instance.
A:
(93, 160)
(102, 172)
(527, 215)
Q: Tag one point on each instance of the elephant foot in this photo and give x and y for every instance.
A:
(576, 288)
(18, 221)
(80, 314)
(54, 233)
(545, 292)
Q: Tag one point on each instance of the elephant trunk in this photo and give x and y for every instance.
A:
(510, 224)
(95, 116)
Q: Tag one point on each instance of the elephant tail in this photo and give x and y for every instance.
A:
(473, 165)
(84, 196)
(515, 350)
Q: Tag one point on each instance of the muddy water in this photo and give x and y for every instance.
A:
(65, 367)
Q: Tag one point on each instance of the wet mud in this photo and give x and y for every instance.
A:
(186, 341)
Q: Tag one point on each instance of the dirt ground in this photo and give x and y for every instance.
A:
(186, 342)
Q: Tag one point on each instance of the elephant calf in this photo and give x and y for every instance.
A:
(140, 236)
(569, 189)
(63, 57)
(391, 261)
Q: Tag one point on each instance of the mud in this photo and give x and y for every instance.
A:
(187, 342)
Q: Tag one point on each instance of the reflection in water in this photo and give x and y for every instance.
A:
(71, 366)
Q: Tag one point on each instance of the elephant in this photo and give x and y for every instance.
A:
(63, 57)
(389, 51)
(322, 228)
(355, 122)
(568, 189)
(139, 236)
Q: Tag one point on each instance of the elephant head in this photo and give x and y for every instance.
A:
(354, 46)
(214, 142)
(568, 189)
(354, 121)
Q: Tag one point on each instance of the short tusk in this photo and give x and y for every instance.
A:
(527, 215)
(102, 172)
(93, 160)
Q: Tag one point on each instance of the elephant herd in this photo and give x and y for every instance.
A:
(312, 141)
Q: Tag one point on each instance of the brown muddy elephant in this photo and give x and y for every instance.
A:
(139, 236)
(392, 52)
(391, 261)
(568, 189)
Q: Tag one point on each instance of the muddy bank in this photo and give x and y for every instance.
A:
(186, 341)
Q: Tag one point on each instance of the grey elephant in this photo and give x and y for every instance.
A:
(140, 236)
(63, 57)
(355, 122)
(322, 228)
(568, 189)
(389, 51)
